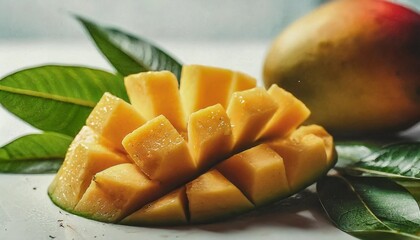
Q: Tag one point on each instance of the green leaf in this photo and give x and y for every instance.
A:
(370, 208)
(130, 54)
(35, 153)
(57, 98)
(413, 186)
(350, 152)
(400, 160)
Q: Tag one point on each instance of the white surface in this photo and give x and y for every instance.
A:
(27, 213)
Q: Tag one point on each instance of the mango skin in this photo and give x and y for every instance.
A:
(354, 63)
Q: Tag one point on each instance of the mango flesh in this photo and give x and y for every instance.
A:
(85, 158)
(154, 94)
(160, 151)
(291, 113)
(209, 135)
(116, 192)
(171, 209)
(196, 176)
(249, 111)
(242, 81)
(211, 196)
(354, 63)
(300, 152)
(258, 172)
(204, 86)
(113, 119)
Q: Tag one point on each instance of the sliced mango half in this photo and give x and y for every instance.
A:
(216, 148)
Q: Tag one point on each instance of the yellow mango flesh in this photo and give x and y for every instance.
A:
(249, 111)
(86, 135)
(160, 151)
(156, 93)
(241, 82)
(258, 172)
(167, 158)
(203, 86)
(113, 119)
(84, 159)
(211, 196)
(168, 210)
(116, 192)
(209, 135)
(290, 113)
(304, 157)
(323, 134)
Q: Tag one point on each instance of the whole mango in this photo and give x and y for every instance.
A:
(354, 63)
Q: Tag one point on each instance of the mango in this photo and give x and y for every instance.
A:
(116, 192)
(249, 111)
(85, 157)
(301, 151)
(168, 210)
(355, 64)
(156, 93)
(211, 196)
(160, 151)
(241, 149)
(113, 118)
(209, 135)
(290, 114)
(204, 86)
(258, 172)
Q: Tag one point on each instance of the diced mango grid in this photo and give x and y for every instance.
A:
(252, 116)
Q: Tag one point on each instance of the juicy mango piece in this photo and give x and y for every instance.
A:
(209, 135)
(258, 172)
(116, 192)
(154, 94)
(321, 133)
(211, 196)
(204, 86)
(242, 82)
(247, 168)
(87, 136)
(289, 115)
(301, 152)
(84, 159)
(168, 210)
(113, 119)
(160, 151)
(249, 111)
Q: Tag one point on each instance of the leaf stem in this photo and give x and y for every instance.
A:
(32, 93)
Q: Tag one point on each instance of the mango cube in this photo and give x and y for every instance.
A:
(212, 196)
(242, 81)
(116, 192)
(203, 86)
(160, 151)
(113, 118)
(319, 132)
(167, 210)
(83, 160)
(304, 157)
(249, 111)
(154, 94)
(258, 172)
(290, 114)
(209, 135)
